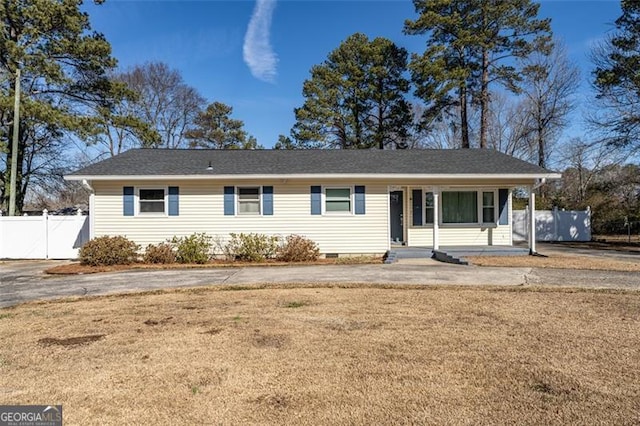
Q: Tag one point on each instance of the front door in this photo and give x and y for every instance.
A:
(396, 209)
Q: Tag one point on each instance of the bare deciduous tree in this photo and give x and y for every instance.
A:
(506, 122)
(164, 101)
(548, 88)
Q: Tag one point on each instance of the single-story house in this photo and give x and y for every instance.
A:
(347, 201)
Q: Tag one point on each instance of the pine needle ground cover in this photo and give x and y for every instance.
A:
(329, 356)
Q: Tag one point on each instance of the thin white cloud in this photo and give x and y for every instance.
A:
(257, 51)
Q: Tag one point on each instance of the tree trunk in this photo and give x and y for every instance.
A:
(380, 133)
(484, 99)
(380, 130)
(464, 123)
(541, 143)
(19, 177)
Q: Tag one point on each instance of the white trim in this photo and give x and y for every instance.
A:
(478, 189)
(355, 176)
(351, 211)
(92, 215)
(92, 208)
(479, 207)
(436, 225)
(532, 220)
(424, 189)
(136, 204)
(406, 206)
(496, 206)
(237, 201)
(510, 215)
(389, 189)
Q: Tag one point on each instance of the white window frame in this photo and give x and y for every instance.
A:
(424, 190)
(351, 201)
(479, 206)
(137, 211)
(495, 206)
(424, 208)
(237, 197)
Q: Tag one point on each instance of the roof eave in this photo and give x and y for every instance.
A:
(367, 176)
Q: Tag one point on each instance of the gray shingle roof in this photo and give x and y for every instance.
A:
(149, 162)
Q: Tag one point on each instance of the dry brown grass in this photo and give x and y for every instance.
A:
(560, 262)
(329, 356)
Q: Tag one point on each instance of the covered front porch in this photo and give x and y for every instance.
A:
(464, 219)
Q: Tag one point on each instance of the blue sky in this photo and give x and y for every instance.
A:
(259, 68)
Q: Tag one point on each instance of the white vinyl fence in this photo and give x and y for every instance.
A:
(42, 237)
(554, 225)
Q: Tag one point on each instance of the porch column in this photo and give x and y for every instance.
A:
(532, 220)
(92, 215)
(436, 216)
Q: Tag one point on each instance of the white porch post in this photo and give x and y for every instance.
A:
(92, 215)
(436, 216)
(532, 220)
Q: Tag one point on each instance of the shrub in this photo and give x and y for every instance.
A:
(105, 251)
(160, 253)
(251, 247)
(298, 249)
(195, 248)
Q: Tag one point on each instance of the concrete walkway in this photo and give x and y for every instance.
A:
(23, 281)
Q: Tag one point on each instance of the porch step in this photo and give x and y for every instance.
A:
(455, 255)
(392, 256)
(449, 258)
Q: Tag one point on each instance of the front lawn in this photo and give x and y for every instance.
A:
(329, 356)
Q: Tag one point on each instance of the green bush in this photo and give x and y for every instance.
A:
(297, 248)
(105, 251)
(195, 248)
(251, 247)
(159, 253)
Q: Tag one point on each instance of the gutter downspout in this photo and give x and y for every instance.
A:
(87, 185)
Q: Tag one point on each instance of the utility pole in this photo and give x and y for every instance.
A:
(14, 145)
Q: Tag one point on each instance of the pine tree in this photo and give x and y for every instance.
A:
(215, 129)
(469, 46)
(63, 66)
(356, 98)
(617, 79)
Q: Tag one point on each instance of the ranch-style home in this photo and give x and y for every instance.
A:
(347, 201)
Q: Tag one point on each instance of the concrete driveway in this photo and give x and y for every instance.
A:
(23, 281)
(582, 249)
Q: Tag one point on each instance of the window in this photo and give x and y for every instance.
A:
(488, 207)
(151, 201)
(338, 200)
(429, 212)
(460, 207)
(249, 200)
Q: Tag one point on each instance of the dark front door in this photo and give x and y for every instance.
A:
(397, 212)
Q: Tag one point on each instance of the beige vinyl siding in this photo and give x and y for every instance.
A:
(420, 236)
(475, 236)
(461, 236)
(202, 210)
